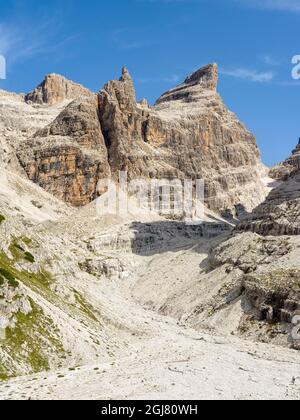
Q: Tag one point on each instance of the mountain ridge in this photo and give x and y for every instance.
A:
(187, 134)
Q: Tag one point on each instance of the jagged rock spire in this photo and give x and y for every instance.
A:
(122, 90)
(126, 77)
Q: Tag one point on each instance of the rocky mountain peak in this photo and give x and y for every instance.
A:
(297, 150)
(201, 83)
(191, 135)
(207, 77)
(56, 89)
(126, 77)
(288, 167)
(121, 90)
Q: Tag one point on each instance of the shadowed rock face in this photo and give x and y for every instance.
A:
(273, 296)
(189, 133)
(279, 214)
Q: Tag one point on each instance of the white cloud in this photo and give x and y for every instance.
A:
(250, 75)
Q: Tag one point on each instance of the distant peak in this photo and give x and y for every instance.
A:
(125, 75)
(54, 76)
(121, 90)
(297, 150)
(204, 79)
(206, 76)
(55, 89)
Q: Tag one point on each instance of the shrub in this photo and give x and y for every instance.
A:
(9, 277)
(29, 257)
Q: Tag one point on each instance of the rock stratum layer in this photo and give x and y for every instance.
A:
(188, 133)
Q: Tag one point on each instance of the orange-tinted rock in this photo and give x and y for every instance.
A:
(189, 133)
(55, 89)
(68, 157)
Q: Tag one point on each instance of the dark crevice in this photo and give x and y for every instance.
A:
(107, 139)
(145, 125)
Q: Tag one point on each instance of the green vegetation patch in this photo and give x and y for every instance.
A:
(30, 343)
(2, 280)
(31, 243)
(19, 253)
(5, 274)
(38, 281)
(29, 257)
(85, 306)
(2, 219)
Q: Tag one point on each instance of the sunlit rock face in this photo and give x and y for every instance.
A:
(188, 134)
(55, 89)
(68, 157)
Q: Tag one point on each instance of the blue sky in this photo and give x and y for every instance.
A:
(161, 41)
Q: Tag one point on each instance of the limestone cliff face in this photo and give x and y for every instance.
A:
(69, 156)
(124, 127)
(189, 133)
(55, 89)
(18, 122)
(279, 214)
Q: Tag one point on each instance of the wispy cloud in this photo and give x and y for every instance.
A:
(269, 60)
(248, 74)
(172, 79)
(18, 43)
(164, 1)
(10, 40)
(134, 45)
(5, 40)
(281, 5)
(130, 38)
(15, 44)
